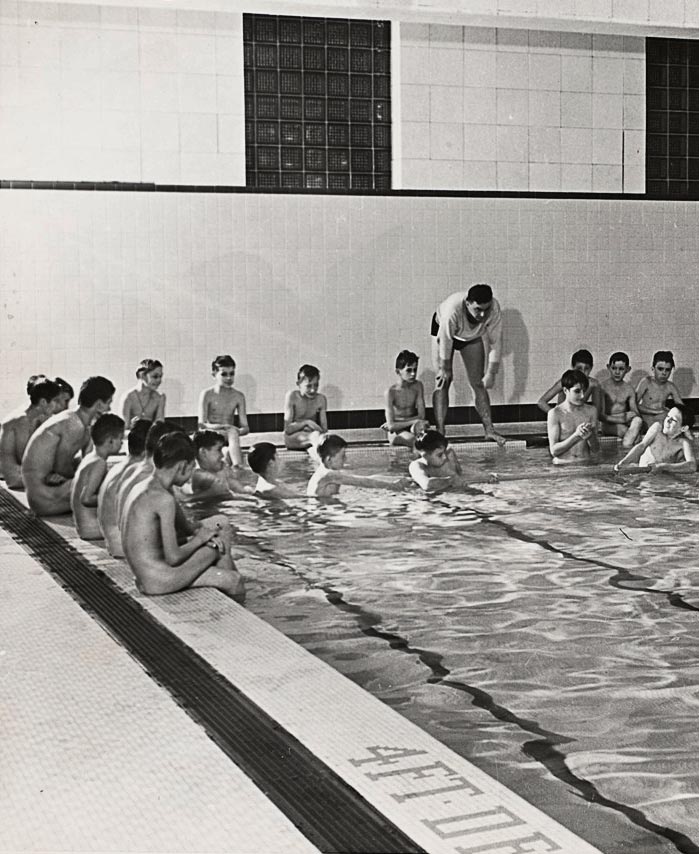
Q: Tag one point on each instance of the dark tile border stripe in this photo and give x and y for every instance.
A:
(321, 805)
(139, 187)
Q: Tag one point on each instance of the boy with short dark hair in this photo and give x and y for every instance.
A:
(326, 481)
(222, 407)
(437, 467)
(50, 458)
(581, 360)
(107, 434)
(619, 414)
(109, 491)
(212, 476)
(262, 459)
(305, 411)
(405, 403)
(66, 395)
(150, 535)
(653, 392)
(572, 425)
(18, 427)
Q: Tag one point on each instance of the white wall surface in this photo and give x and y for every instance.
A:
(93, 282)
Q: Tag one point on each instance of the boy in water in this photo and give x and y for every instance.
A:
(107, 434)
(666, 446)
(222, 407)
(329, 477)
(150, 535)
(619, 414)
(572, 425)
(652, 393)
(405, 403)
(305, 411)
(262, 459)
(49, 460)
(109, 490)
(437, 468)
(16, 430)
(212, 476)
(581, 360)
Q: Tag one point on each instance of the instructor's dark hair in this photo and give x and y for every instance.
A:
(480, 294)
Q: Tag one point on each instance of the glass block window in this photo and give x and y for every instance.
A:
(317, 103)
(672, 118)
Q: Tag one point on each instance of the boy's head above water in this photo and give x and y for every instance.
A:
(209, 447)
(574, 384)
(432, 447)
(581, 360)
(678, 420)
(406, 365)
(308, 380)
(136, 441)
(156, 433)
(261, 456)
(66, 395)
(331, 451)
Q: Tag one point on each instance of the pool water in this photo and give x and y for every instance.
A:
(547, 629)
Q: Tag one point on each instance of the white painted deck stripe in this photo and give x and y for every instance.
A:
(95, 756)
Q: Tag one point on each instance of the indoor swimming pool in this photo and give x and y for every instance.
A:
(546, 628)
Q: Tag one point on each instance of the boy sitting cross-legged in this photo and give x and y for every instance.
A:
(149, 531)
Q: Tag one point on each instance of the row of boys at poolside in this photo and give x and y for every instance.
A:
(616, 409)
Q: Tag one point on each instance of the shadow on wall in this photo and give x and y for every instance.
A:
(684, 379)
(515, 343)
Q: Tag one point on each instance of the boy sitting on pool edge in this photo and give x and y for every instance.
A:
(149, 533)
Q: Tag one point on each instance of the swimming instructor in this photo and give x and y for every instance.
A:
(460, 324)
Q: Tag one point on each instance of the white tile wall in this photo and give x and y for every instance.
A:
(530, 99)
(121, 94)
(342, 282)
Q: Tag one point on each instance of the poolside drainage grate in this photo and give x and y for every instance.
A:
(323, 807)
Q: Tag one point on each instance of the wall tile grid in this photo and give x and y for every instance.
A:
(522, 110)
(121, 94)
(341, 282)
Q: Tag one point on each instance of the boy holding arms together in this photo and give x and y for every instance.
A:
(107, 434)
(572, 425)
(305, 411)
(581, 360)
(653, 392)
(405, 403)
(221, 406)
(160, 564)
(619, 414)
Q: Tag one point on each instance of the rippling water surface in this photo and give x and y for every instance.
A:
(547, 629)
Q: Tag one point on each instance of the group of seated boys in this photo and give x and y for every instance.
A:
(60, 456)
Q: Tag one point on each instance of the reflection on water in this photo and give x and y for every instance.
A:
(547, 629)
